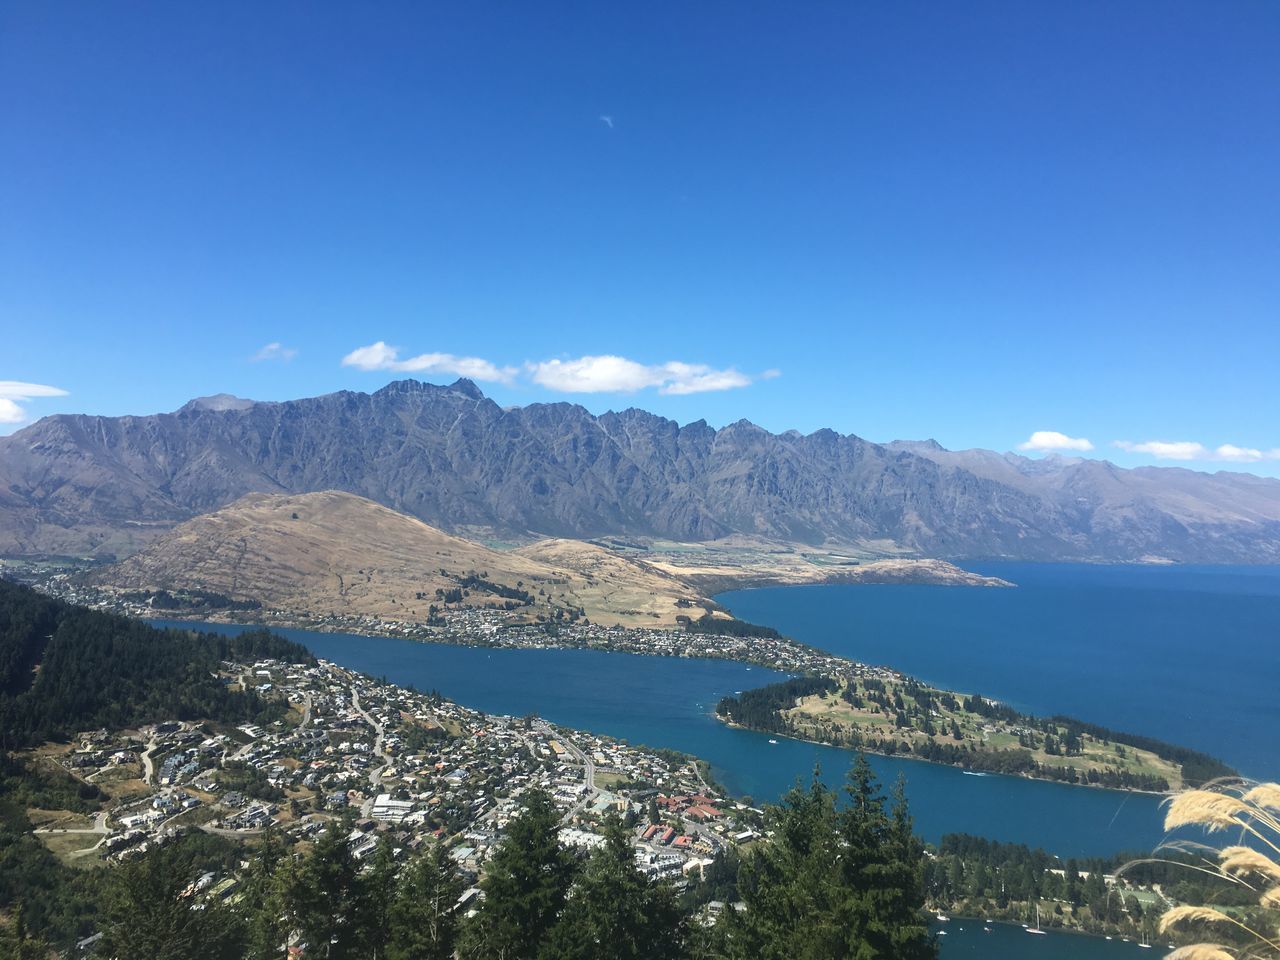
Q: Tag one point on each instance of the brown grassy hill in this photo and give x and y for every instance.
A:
(611, 585)
(337, 553)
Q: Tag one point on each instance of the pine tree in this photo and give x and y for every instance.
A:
(788, 885)
(265, 904)
(615, 912)
(150, 913)
(883, 868)
(834, 884)
(524, 889)
(374, 896)
(322, 897)
(424, 921)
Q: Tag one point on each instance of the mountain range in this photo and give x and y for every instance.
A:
(455, 459)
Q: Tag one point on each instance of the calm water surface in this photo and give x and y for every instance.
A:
(965, 940)
(668, 702)
(1186, 654)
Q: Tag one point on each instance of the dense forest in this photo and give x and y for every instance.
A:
(727, 628)
(838, 880)
(189, 601)
(761, 708)
(64, 669)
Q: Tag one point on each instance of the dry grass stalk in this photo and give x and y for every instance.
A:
(1229, 805)
(1243, 861)
(1264, 795)
(1200, 951)
(1177, 915)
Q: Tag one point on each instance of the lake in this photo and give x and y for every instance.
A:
(668, 702)
(1186, 654)
(966, 939)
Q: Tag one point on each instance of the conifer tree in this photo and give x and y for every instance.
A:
(374, 896)
(615, 912)
(151, 913)
(264, 896)
(524, 889)
(424, 917)
(323, 895)
(833, 884)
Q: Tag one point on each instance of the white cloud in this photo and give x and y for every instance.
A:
(1045, 441)
(1229, 451)
(13, 393)
(1191, 450)
(606, 120)
(379, 356)
(274, 351)
(591, 374)
(612, 374)
(1167, 449)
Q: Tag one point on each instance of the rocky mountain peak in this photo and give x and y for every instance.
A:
(219, 402)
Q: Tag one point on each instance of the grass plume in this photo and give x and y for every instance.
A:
(1252, 813)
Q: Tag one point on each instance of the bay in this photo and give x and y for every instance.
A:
(669, 702)
(1185, 654)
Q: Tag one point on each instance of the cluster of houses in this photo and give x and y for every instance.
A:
(489, 626)
(401, 764)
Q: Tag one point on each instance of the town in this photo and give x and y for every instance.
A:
(391, 762)
(491, 627)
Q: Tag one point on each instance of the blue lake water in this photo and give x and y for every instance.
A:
(667, 702)
(1186, 654)
(965, 940)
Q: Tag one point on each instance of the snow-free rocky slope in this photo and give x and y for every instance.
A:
(454, 459)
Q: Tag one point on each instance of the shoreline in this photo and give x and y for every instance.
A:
(642, 653)
(800, 659)
(936, 763)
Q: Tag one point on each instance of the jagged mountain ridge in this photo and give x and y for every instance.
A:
(453, 458)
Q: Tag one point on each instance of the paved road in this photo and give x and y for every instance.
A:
(375, 775)
(588, 767)
(99, 826)
(148, 766)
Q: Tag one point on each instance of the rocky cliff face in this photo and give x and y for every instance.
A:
(455, 459)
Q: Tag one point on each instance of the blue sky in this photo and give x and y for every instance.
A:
(967, 221)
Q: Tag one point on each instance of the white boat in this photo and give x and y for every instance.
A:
(1036, 929)
(942, 917)
(773, 741)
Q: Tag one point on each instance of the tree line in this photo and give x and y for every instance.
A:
(104, 670)
(836, 880)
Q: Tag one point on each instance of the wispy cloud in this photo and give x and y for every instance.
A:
(14, 393)
(612, 374)
(1048, 441)
(379, 356)
(274, 351)
(606, 120)
(1192, 450)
